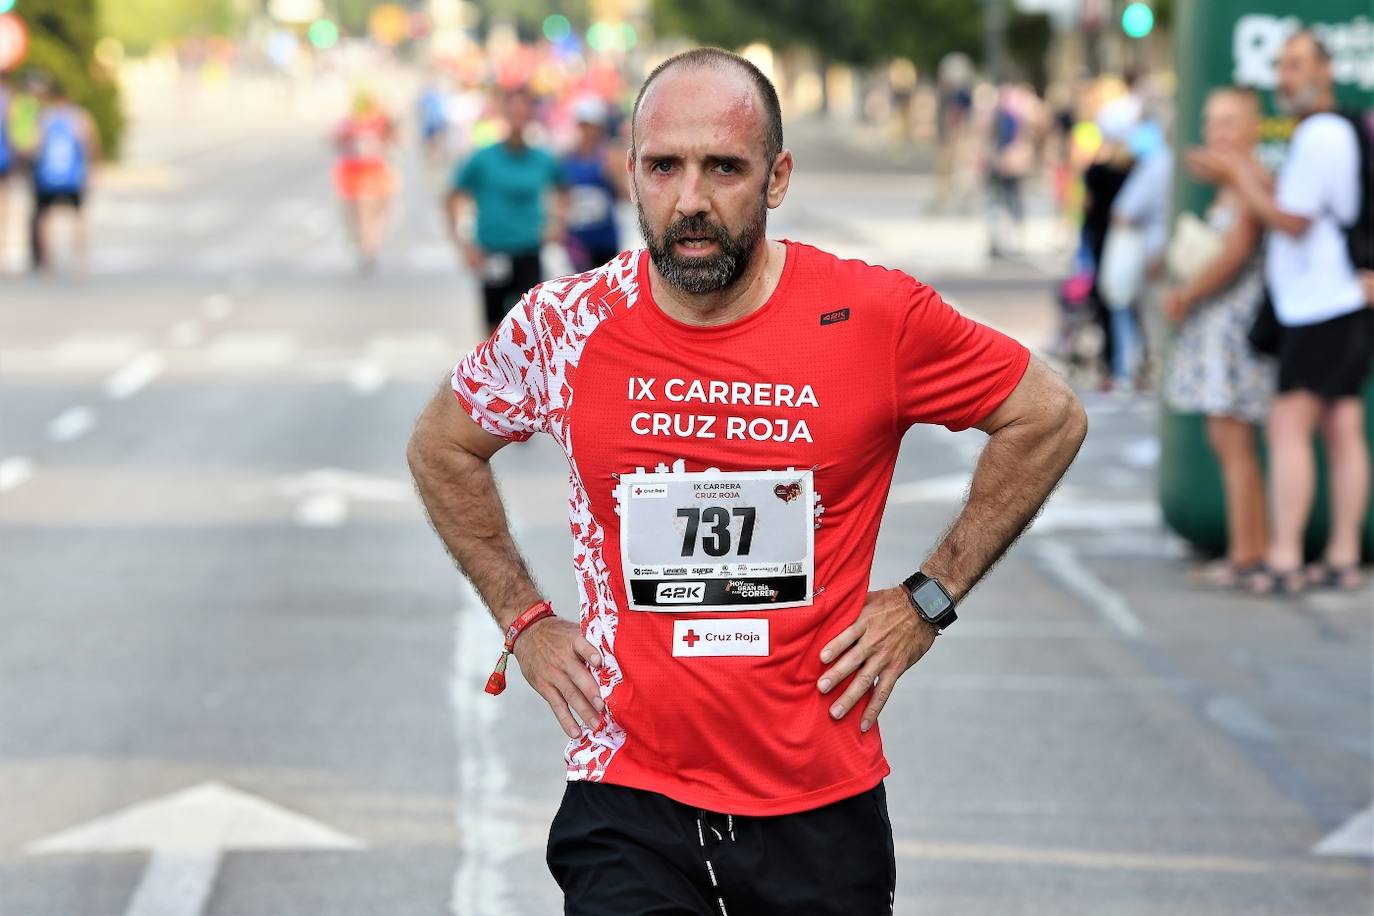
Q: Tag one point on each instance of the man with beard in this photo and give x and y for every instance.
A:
(731, 407)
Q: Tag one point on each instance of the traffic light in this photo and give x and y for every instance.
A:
(1137, 20)
(6, 6)
(323, 34)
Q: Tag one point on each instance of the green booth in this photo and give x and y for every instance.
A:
(1226, 42)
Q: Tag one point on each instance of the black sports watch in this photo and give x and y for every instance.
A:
(930, 600)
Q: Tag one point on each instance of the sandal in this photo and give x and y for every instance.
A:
(1331, 576)
(1224, 574)
(1266, 580)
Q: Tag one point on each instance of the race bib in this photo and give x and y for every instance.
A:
(717, 540)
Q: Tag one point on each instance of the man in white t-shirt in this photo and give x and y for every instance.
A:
(1327, 342)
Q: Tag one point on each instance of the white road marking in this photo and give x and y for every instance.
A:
(216, 307)
(489, 841)
(176, 884)
(1141, 453)
(70, 424)
(135, 375)
(1112, 515)
(14, 471)
(366, 377)
(322, 510)
(947, 488)
(252, 349)
(1069, 508)
(186, 333)
(1061, 563)
(1353, 838)
(188, 833)
(96, 351)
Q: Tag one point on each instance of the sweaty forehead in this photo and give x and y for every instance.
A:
(693, 106)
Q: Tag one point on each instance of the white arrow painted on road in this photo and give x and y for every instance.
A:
(326, 492)
(188, 832)
(1354, 838)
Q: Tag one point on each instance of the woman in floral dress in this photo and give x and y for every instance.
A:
(1213, 369)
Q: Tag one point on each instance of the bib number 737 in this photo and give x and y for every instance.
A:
(717, 540)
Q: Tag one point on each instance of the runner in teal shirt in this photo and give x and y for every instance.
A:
(508, 182)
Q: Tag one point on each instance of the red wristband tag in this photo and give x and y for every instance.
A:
(538, 611)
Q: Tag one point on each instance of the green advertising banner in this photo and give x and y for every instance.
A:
(1236, 42)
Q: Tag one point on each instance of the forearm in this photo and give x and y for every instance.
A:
(1018, 469)
(466, 511)
(1259, 200)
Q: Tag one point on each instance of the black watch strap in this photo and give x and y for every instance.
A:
(941, 620)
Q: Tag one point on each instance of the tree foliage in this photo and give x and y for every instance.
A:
(142, 25)
(62, 37)
(856, 31)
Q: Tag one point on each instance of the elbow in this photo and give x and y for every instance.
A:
(417, 453)
(1074, 420)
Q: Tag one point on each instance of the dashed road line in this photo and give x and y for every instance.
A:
(14, 471)
(71, 424)
(135, 375)
(322, 510)
(186, 333)
(366, 377)
(217, 307)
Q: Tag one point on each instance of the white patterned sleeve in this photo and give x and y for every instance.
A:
(501, 382)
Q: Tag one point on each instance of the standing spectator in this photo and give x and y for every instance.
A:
(67, 145)
(594, 171)
(508, 183)
(1143, 204)
(1102, 181)
(1327, 338)
(1213, 370)
(1013, 154)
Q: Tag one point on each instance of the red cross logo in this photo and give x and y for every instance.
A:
(690, 638)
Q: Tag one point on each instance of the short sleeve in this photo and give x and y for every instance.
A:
(949, 369)
(558, 176)
(500, 383)
(1319, 166)
(465, 174)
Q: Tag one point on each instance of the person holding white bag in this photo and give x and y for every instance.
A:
(1217, 267)
(1132, 258)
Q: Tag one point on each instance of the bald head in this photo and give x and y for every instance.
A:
(740, 88)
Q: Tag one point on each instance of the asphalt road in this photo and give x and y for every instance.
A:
(226, 623)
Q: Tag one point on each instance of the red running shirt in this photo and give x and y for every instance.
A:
(827, 374)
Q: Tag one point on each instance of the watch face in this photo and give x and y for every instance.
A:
(931, 599)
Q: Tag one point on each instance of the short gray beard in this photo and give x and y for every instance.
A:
(1300, 104)
(711, 273)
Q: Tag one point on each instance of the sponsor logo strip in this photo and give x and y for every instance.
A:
(734, 636)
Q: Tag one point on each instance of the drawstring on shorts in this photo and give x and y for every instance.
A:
(704, 824)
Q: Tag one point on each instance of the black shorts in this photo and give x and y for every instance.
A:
(42, 200)
(500, 297)
(616, 850)
(1330, 359)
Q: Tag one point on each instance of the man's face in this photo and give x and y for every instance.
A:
(702, 182)
(519, 111)
(1302, 75)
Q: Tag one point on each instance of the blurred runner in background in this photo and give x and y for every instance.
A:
(7, 159)
(362, 177)
(508, 183)
(67, 146)
(433, 112)
(594, 170)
